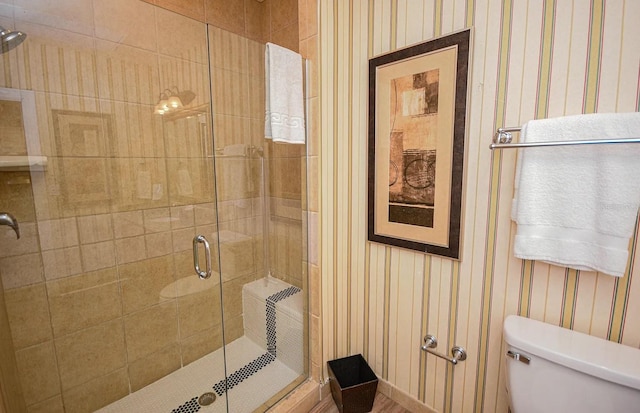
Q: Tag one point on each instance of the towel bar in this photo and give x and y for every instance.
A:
(503, 138)
(458, 353)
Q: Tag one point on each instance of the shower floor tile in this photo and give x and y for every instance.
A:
(179, 388)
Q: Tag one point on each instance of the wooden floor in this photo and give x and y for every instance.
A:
(380, 404)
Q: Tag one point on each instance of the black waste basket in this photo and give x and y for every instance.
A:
(353, 384)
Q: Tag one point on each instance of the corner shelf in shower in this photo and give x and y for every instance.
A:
(20, 163)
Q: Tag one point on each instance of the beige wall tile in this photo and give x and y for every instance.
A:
(191, 183)
(233, 328)
(257, 98)
(309, 50)
(281, 184)
(97, 393)
(283, 14)
(308, 18)
(128, 224)
(233, 179)
(38, 372)
(135, 130)
(190, 8)
(313, 237)
(316, 345)
(183, 239)
(69, 15)
(157, 220)
(44, 72)
(28, 312)
(257, 20)
(126, 21)
(228, 50)
(21, 270)
(201, 344)
(185, 137)
(94, 295)
(12, 391)
(231, 93)
(47, 203)
(158, 244)
(125, 74)
(181, 37)
(224, 14)
(95, 228)
(186, 75)
(85, 185)
(256, 60)
(314, 291)
(313, 136)
(229, 129)
(183, 264)
(205, 213)
(81, 134)
(199, 312)
(28, 242)
(151, 330)
(61, 263)
(17, 196)
(148, 369)
(131, 249)
(146, 186)
(90, 353)
(52, 405)
(287, 37)
(12, 128)
(209, 231)
(237, 258)
(182, 217)
(58, 233)
(232, 295)
(98, 256)
(142, 282)
(227, 212)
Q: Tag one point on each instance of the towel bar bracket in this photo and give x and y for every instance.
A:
(457, 353)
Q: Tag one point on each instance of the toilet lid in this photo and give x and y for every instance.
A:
(591, 355)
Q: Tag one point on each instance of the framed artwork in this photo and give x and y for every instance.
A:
(417, 124)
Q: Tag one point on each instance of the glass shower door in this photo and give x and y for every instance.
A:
(260, 231)
(100, 307)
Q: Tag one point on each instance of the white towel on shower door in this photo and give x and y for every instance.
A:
(576, 206)
(284, 118)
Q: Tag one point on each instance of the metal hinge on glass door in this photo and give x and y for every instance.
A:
(207, 256)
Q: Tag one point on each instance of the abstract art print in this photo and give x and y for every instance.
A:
(417, 113)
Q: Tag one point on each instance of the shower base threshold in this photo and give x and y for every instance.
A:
(254, 377)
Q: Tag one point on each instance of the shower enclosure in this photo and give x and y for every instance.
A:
(126, 130)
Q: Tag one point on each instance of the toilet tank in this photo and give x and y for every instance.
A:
(552, 369)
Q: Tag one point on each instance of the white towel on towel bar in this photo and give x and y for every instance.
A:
(284, 118)
(576, 206)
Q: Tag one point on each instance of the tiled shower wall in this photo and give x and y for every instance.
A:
(108, 226)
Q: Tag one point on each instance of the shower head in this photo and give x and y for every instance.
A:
(10, 39)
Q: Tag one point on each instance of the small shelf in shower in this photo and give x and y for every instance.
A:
(17, 163)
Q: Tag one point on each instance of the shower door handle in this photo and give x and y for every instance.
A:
(207, 255)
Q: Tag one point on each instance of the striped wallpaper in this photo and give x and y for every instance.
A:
(530, 59)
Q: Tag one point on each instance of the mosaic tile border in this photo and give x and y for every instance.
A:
(254, 366)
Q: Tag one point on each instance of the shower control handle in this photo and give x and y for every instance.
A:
(8, 219)
(200, 239)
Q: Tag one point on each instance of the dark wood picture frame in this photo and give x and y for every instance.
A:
(417, 126)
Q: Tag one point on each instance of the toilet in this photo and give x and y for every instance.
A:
(552, 369)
